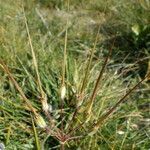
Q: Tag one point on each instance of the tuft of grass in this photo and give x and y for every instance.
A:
(67, 81)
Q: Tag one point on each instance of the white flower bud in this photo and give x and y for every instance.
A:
(45, 105)
(120, 132)
(136, 29)
(40, 121)
(63, 92)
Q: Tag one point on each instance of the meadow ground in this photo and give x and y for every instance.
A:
(67, 70)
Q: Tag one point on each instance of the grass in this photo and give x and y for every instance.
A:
(60, 84)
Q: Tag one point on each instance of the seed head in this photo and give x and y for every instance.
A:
(40, 121)
(63, 92)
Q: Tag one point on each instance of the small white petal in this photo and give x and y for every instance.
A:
(40, 121)
(136, 29)
(63, 92)
(120, 132)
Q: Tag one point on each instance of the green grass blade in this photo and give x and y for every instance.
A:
(37, 142)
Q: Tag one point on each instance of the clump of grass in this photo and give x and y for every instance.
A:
(71, 103)
(87, 106)
(82, 114)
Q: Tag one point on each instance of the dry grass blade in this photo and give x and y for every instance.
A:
(90, 104)
(63, 87)
(98, 124)
(89, 63)
(6, 70)
(43, 95)
(80, 99)
(111, 111)
(43, 98)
